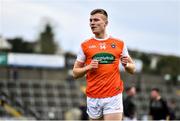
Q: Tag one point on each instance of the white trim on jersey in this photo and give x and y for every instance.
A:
(125, 51)
(81, 56)
(107, 37)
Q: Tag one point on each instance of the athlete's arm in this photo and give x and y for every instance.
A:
(127, 61)
(80, 69)
(128, 64)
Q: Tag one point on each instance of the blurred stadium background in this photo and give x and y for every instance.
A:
(36, 79)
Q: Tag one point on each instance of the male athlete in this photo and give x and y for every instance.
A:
(99, 59)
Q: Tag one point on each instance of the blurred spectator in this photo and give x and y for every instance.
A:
(158, 106)
(84, 115)
(172, 106)
(129, 105)
(15, 73)
(83, 104)
(2, 100)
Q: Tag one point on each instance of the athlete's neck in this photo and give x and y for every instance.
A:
(101, 36)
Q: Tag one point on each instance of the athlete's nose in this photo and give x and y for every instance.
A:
(92, 22)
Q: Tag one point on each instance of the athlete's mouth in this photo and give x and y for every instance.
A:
(93, 27)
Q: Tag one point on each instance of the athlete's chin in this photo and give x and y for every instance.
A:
(95, 32)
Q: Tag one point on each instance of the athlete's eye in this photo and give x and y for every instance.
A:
(96, 19)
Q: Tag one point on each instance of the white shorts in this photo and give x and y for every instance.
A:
(97, 107)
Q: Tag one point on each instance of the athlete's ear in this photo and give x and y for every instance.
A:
(106, 23)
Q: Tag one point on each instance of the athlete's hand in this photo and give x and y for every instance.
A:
(93, 65)
(124, 60)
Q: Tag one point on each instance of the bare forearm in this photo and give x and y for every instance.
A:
(130, 68)
(79, 72)
(129, 64)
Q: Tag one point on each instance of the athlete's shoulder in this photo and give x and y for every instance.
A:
(87, 41)
(118, 40)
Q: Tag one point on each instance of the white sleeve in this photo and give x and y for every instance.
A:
(125, 51)
(80, 56)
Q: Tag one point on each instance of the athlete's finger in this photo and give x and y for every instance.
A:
(124, 58)
(94, 63)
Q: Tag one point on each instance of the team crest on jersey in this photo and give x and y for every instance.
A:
(102, 46)
(113, 45)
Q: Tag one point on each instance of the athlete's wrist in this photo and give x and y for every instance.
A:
(85, 68)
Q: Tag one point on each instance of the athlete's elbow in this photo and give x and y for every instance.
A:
(75, 76)
(133, 70)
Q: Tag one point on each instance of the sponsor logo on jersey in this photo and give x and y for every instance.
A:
(92, 46)
(104, 58)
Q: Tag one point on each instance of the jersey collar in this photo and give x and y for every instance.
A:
(107, 37)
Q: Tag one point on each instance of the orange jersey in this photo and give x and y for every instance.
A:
(104, 81)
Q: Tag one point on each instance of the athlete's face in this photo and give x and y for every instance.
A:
(98, 23)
